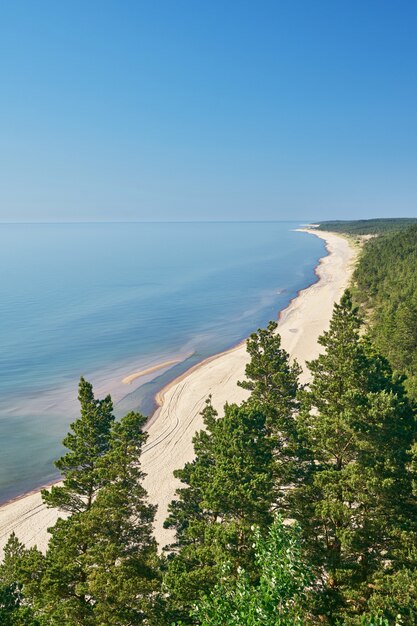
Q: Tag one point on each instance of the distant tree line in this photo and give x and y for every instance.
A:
(367, 227)
(385, 284)
(299, 508)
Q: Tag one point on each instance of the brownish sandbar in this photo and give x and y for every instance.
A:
(149, 370)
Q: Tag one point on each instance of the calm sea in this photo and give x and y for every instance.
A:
(106, 300)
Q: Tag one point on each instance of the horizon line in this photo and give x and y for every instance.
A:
(151, 221)
(304, 222)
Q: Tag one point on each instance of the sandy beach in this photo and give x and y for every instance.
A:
(173, 425)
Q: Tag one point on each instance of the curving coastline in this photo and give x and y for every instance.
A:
(178, 417)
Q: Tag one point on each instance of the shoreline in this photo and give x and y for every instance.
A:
(159, 396)
(170, 440)
(179, 402)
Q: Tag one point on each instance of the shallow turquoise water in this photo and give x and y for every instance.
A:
(105, 300)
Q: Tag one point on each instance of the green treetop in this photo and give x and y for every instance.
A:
(87, 442)
(272, 380)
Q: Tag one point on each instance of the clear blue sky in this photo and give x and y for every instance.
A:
(217, 109)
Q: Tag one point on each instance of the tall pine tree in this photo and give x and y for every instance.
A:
(272, 379)
(87, 442)
(101, 567)
(356, 503)
(123, 563)
(228, 489)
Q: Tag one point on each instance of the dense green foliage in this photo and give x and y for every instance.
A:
(355, 505)
(271, 378)
(100, 567)
(228, 488)
(18, 565)
(386, 290)
(278, 597)
(273, 382)
(367, 227)
(350, 435)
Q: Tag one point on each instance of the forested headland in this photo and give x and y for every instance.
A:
(367, 227)
(300, 506)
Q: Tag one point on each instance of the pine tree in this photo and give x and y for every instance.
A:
(272, 380)
(64, 597)
(394, 594)
(228, 489)
(87, 442)
(101, 564)
(123, 558)
(20, 573)
(359, 426)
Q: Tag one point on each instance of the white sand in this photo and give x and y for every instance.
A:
(172, 427)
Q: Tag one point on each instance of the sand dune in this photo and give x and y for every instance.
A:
(173, 425)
